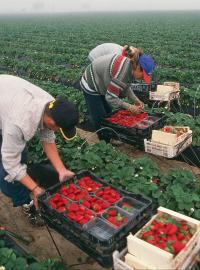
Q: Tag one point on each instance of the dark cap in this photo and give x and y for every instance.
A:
(66, 116)
(148, 65)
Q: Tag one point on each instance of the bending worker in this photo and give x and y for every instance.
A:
(108, 78)
(24, 110)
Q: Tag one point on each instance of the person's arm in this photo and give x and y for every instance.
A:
(28, 182)
(53, 155)
(133, 98)
(12, 147)
(112, 97)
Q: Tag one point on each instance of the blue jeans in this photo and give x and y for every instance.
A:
(98, 107)
(18, 193)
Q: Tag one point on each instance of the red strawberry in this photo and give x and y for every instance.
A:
(71, 196)
(96, 207)
(73, 207)
(86, 204)
(106, 197)
(83, 221)
(178, 246)
(181, 236)
(112, 212)
(112, 220)
(61, 209)
(71, 215)
(77, 218)
(147, 234)
(99, 193)
(171, 229)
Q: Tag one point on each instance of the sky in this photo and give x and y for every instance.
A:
(52, 6)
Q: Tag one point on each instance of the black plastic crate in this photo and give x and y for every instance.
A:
(103, 258)
(135, 131)
(143, 87)
(46, 208)
(97, 237)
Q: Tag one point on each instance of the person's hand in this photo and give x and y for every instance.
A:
(140, 104)
(134, 109)
(36, 192)
(64, 174)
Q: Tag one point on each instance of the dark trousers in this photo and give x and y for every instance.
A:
(18, 193)
(98, 107)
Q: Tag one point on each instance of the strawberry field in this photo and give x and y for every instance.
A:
(51, 52)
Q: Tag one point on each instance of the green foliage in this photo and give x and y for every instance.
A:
(178, 189)
(11, 260)
(51, 52)
(180, 192)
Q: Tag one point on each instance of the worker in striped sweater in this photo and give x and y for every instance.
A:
(107, 79)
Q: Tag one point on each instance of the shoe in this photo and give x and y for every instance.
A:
(33, 215)
(115, 142)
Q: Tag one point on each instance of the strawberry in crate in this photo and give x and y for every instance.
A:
(79, 213)
(87, 183)
(126, 118)
(58, 202)
(165, 232)
(175, 130)
(108, 194)
(116, 217)
(95, 204)
(73, 192)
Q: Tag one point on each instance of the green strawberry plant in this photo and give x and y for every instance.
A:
(180, 192)
(11, 259)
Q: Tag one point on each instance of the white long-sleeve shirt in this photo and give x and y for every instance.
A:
(21, 109)
(104, 49)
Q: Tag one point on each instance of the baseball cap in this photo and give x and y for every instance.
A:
(66, 116)
(148, 65)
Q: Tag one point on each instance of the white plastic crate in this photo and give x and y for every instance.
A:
(145, 254)
(164, 150)
(168, 96)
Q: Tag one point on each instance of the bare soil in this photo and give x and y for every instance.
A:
(42, 246)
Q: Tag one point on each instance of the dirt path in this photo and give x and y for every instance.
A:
(42, 246)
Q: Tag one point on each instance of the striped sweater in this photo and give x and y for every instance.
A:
(110, 75)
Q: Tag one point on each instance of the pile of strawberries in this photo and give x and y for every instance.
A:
(79, 213)
(90, 199)
(108, 194)
(126, 118)
(87, 183)
(95, 203)
(167, 233)
(73, 192)
(175, 130)
(115, 217)
(58, 202)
